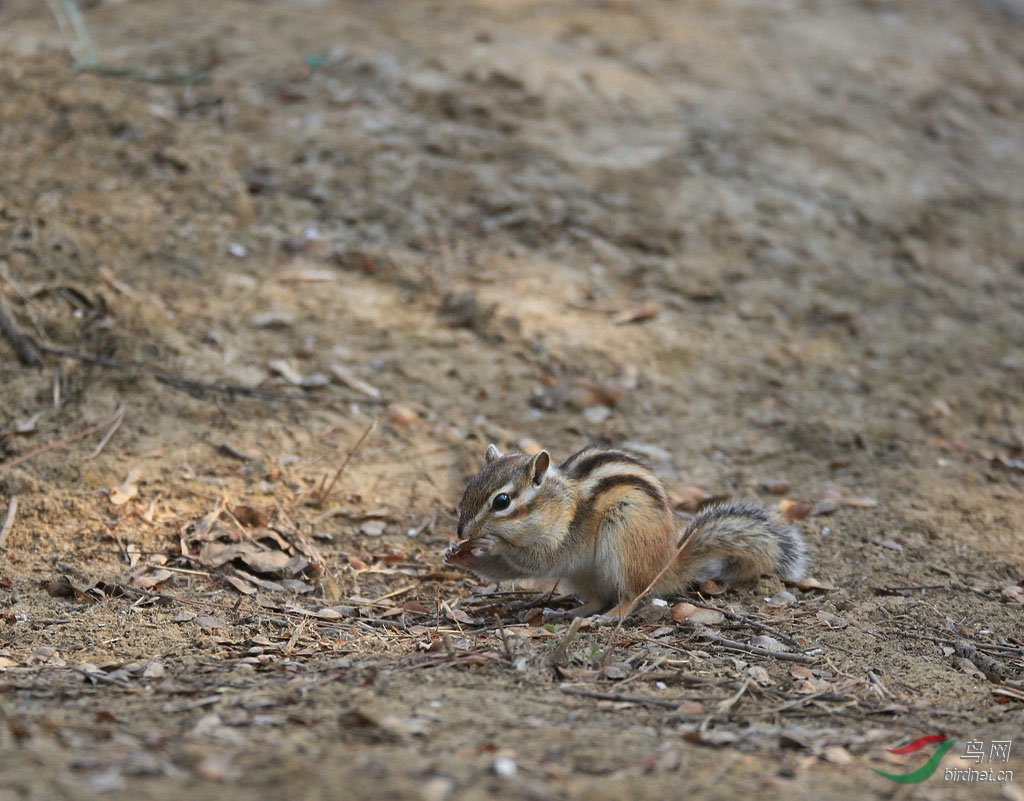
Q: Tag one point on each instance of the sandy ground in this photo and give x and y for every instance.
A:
(777, 247)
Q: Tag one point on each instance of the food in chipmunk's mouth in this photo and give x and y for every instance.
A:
(459, 553)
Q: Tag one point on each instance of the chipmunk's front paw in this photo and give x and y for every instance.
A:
(467, 552)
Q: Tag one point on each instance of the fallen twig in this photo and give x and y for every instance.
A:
(85, 432)
(194, 388)
(621, 699)
(12, 510)
(325, 487)
(754, 624)
(300, 627)
(116, 424)
(788, 656)
(559, 651)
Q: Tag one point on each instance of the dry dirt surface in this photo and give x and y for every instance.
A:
(282, 270)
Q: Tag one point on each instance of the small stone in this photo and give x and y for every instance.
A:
(505, 767)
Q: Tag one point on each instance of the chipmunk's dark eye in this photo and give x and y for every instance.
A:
(501, 502)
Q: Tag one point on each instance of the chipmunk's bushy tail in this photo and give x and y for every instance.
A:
(738, 541)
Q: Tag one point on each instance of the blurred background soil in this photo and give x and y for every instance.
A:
(777, 247)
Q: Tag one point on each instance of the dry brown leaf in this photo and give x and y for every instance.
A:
(688, 499)
(266, 561)
(127, 490)
(637, 314)
(712, 737)
(837, 755)
(211, 623)
(401, 415)
(810, 583)
(589, 393)
(806, 682)
(462, 617)
(133, 552)
(824, 506)
(152, 579)
(243, 587)
(795, 510)
(767, 643)
(297, 586)
(269, 536)
(249, 516)
(258, 581)
(692, 709)
(696, 615)
(46, 656)
(968, 667)
(217, 554)
(831, 620)
(534, 618)
(1014, 593)
(760, 675)
(206, 530)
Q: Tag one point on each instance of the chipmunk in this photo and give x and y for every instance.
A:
(602, 522)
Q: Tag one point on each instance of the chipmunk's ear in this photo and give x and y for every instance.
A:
(491, 453)
(539, 467)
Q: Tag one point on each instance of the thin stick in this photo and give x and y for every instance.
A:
(73, 29)
(85, 432)
(559, 651)
(748, 621)
(621, 699)
(296, 633)
(193, 388)
(116, 424)
(12, 510)
(725, 706)
(321, 496)
(24, 346)
(788, 656)
(504, 638)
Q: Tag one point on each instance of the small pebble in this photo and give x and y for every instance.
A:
(505, 767)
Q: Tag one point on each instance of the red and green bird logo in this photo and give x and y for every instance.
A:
(928, 768)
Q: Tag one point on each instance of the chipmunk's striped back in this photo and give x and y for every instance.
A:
(598, 470)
